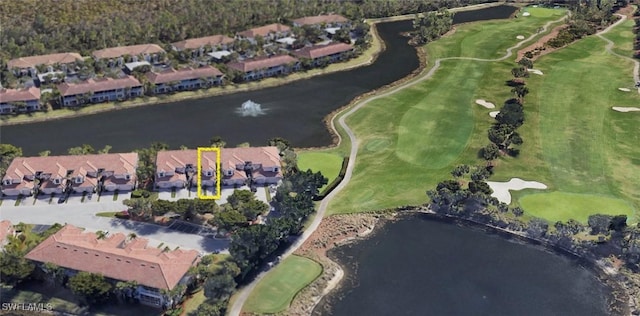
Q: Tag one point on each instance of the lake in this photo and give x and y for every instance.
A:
(294, 111)
(419, 265)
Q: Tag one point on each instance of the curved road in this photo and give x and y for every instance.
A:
(610, 44)
(243, 294)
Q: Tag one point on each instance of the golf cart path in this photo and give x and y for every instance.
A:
(243, 294)
(611, 44)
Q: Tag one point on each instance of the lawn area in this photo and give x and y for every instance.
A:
(433, 125)
(572, 206)
(61, 300)
(192, 303)
(107, 214)
(623, 38)
(274, 293)
(491, 39)
(575, 142)
(327, 163)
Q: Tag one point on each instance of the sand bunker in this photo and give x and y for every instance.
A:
(520, 37)
(536, 71)
(501, 189)
(486, 104)
(494, 113)
(526, 14)
(624, 89)
(625, 108)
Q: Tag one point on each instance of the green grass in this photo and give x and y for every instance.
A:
(115, 195)
(107, 214)
(562, 206)
(435, 124)
(60, 300)
(328, 164)
(191, 304)
(275, 292)
(623, 38)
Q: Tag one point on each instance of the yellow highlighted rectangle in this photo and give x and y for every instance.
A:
(200, 194)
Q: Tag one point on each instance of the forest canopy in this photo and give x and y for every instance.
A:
(35, 27)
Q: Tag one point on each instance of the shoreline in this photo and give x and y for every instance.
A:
(371, 55)
(620, 286)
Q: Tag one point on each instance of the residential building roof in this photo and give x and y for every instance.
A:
(133, 50)
(265, 30)
(97, 84)
(318, 51)
(219, 54)
(231, 158)
(59, 167)
(183, 74)
(17, 95)
(6, 229)
(115, 257)
(51, 59)
(261, 62)
(195, 43)
(319, 19)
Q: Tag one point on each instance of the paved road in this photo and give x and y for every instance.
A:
(244, 293)
(610, 44)
(83, 215)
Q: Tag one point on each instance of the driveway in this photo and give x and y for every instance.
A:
(83, 215)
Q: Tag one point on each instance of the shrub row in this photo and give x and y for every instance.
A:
(335, 182)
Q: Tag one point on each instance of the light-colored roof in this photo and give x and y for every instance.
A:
(286, 40)
(133, 50)
(195, 43)
(51, 59)
(265, 30)
(15, 95)
(219, 54)
(183, 74)
(58, 166)
(319, 19)
(318, 51)
(97, 85)
(115, 257)
(133, 65)
(6, 229)
(261, 62)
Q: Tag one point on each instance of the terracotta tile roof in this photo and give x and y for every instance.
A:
(317, 51)
(97, 85)
(261, 63)
(230, 158)
(183, 74)
(196, 43)
(14, 95)
(133, 50)
(319, 19)
(6, 229)
(115, 257)
(51, 59)
(265, 30)
(57, 167)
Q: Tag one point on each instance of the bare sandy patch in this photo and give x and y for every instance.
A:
(624, 89)
(501, 189)
(494, 113)
(541, 43)
(536, 71)
(625, 108)
(485, 103)
(520, 37)
(526, 14)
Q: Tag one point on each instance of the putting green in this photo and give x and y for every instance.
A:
(328, 164)
(275, 292)
(562, 206)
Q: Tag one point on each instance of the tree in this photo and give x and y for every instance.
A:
(229, 220)
(517, 211)
(525, 62)
(460, 171)
(91, 287)
(44, 153)
(520, 91)
(520, 72)
(490, 152)
(216, 141)
(54, 273)
(618, 223)
(14, 268)
(599, 223)
(85, 149)
(7, 154)
(480, 186)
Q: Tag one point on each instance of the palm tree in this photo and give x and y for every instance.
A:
(132, 236)
(520, 91)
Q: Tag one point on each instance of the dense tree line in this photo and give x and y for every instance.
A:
(33, 27)
(636, 30)
(430, 26)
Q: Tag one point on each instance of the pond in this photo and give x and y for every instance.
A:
(294, 111)
(422, 266)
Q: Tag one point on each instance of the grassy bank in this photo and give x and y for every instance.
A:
(365, 58)
(411, 140)
(274, 293)
(327, 163)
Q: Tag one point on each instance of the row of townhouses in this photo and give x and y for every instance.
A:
(109, 172)
(94, 90)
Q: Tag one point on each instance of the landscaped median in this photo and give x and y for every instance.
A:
(274, 293)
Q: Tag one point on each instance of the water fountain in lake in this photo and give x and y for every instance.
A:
(250, 108)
